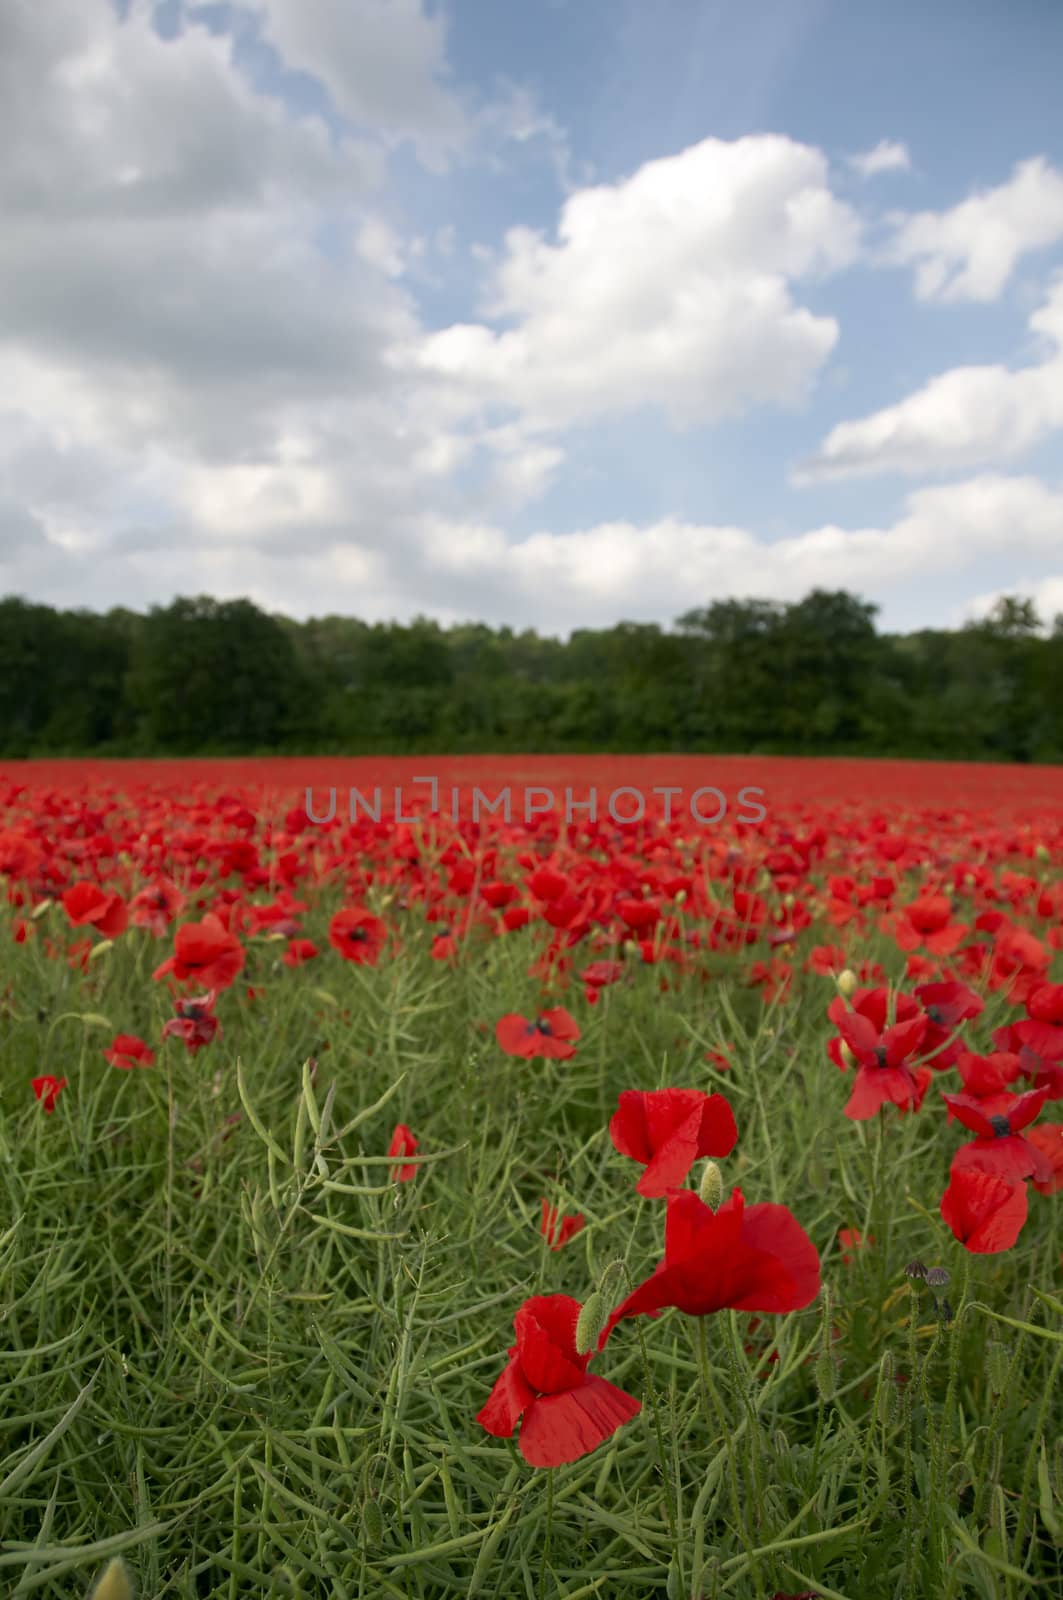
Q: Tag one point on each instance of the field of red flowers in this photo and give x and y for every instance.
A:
(533, 1176)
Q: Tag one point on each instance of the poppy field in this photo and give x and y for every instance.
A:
(437, 1203)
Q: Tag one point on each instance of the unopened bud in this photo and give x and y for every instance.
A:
(589, 1324)
(681, 898)
(825, 1376)
(711, 1187)
(630, 948)
(372, 1522)
(847, 1055)
(789, 901)
(610, 1281)
(816, 1173)
(997, 1362)
(115, 1583)
(1043, 853)
(846, 982)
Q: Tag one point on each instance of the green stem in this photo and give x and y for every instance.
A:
(546, 1537)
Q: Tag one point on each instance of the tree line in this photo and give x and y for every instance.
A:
(812, 677)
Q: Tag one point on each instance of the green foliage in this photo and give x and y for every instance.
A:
(813, 677)
(237, 1352)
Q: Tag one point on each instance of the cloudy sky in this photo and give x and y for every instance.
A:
(552, 314)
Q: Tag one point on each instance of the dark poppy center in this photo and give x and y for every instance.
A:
(1000, 1126)
(359, 935)
(935, 1015)
(881, 1057)
(542, 1026)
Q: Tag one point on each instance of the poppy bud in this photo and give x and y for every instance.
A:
(847, 1055)
(846, 982)
(1043, 853)
(711, 1187)
(816, 1172)
(372, 1522)
(789, 901)
(115, 1583)
(630, 948)
(610, 1281)
(825, 1376)
(997, 1362)
(681, 898)
(589, 1324)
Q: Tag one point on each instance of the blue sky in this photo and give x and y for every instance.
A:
(548, 314)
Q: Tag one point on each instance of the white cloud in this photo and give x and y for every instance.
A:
(1046, 594)
(887, 156)
(970, 251)
(382, 62)
(670, 289)
(965, 417)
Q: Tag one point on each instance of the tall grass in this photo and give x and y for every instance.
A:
(236, 1353)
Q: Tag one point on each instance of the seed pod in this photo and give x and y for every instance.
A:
(589, 1324)
(916, 1271)
(711, 1189)
(938, 1278)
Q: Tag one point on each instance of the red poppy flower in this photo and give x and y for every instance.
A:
(403, 1143)
(88, 904)
(128, 1051)
(156, 906)
(558, 1230)
(927, 922)
(947, 1006)
(1000, 1148)
(47, 1090)
(195, 1023)
(1045, 1004)
(205, 952)
(1049, 1140)
(984, 1211)
(852, 1239)
(564, 1411)
(667, 1130)
(986, 1075)
(551, 1035)
(298, 952)
(742, 1259)
(881, 1053)
(357, 935)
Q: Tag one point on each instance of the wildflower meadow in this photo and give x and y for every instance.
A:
(554, 1206)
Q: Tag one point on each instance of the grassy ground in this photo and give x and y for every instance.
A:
(234, 1349)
